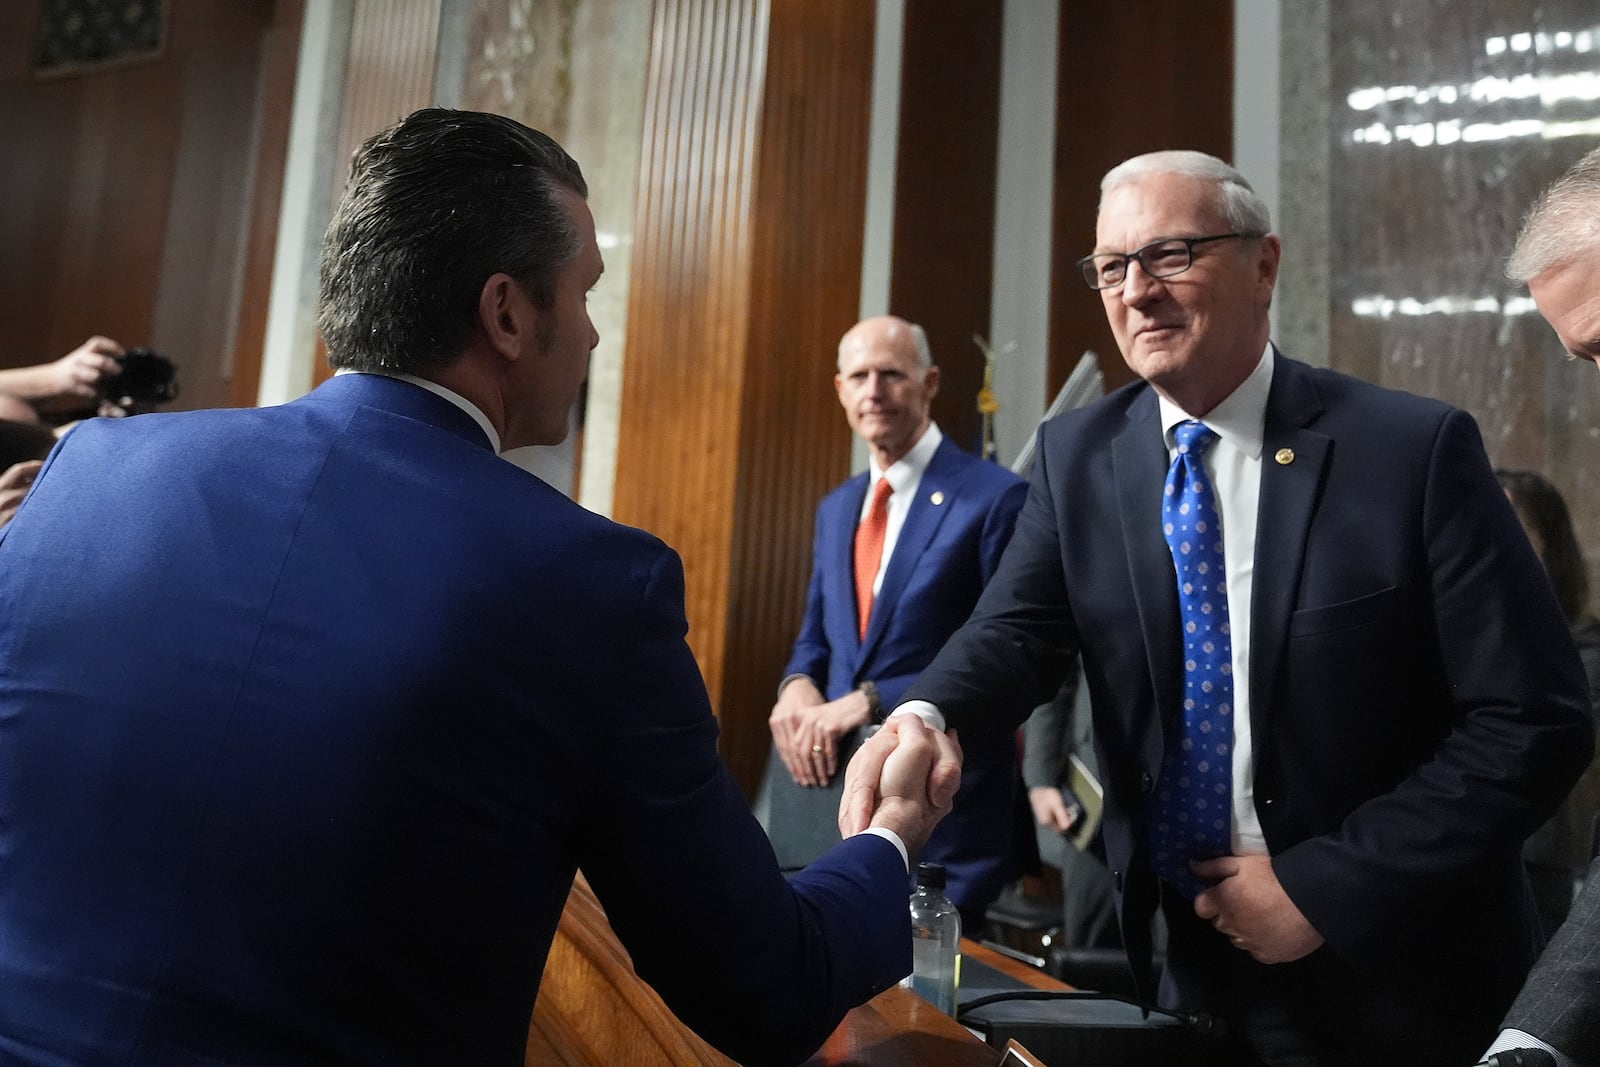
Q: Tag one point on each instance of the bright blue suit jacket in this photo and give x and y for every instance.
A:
(951, 543)
(1417, 705)
(308, 714)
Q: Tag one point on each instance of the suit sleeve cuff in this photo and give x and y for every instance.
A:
(923, 710)
(893, 839)
(1515, 1039)
(791, 677)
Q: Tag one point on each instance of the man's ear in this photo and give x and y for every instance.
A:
(508, 318)
(930, 381)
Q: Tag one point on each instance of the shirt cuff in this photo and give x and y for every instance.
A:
(893, 839)
(1515, 1039)
(923, 710)
(791, 677)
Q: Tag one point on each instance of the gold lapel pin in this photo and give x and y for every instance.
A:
(937, 498)
(1285, 456)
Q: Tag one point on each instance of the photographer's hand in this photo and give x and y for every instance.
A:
(67, 382)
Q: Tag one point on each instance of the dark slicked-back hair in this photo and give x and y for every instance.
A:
(435, 205)
(1539, 505)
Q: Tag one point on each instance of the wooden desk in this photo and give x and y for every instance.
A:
(897, 1028)
(593, 1010)
(1028, 976)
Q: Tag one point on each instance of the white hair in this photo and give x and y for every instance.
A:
(1562, 225)
(1245, 211)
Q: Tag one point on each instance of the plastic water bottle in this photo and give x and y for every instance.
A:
(935, 940)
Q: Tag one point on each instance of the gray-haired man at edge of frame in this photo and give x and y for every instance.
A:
(1558, 255)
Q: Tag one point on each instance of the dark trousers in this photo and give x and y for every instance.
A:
(1314, 1012)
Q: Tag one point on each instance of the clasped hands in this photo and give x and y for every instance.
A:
(807, 730)
(903, 778)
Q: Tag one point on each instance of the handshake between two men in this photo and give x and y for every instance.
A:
(902, 779)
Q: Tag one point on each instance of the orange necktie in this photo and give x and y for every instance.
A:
(869, 550)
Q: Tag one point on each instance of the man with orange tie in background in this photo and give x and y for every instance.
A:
(900, 554)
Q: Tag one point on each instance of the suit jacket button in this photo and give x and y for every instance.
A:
(1146, 783)
(1267, 802)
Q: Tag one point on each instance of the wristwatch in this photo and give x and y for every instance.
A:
(874, 704)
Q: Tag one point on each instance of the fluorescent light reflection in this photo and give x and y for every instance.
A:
(1543, 44)
(1425, 134)
(1384, 307)
(1549, 89)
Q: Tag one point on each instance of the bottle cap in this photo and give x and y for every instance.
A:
(930, 875)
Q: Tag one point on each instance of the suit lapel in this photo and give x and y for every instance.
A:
(1293, 462)
(841, 566)
(1139, 462)
(939, 482)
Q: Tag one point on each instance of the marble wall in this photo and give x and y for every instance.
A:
(1415, 134)
(574, 69)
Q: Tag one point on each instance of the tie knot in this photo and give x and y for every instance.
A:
(881, 492)
(1193, 437)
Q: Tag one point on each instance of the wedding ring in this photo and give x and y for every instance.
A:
(816, 750)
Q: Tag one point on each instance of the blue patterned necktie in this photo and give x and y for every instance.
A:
(1193, 808)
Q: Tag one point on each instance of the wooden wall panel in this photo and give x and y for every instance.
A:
(746, 272)
(794, 441)
(279, 64)
(1126, 83)
(943, 259)
(124, 189)
(389, 73)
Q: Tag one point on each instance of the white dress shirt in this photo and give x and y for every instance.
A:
(1515, 1039)
(446, 394)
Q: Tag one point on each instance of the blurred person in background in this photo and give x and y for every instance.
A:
(1558, 854)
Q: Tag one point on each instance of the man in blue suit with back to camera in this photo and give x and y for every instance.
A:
(1332, 689)
(899, 556)
(308, 714)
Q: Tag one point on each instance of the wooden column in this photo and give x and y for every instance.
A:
(1128, 81)
(942, 273)
(280, 64)
(388, 75)
(746, 271)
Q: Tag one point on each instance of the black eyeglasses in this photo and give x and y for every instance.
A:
(1160, 259)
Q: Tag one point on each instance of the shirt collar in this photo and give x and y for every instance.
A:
(445, 394)
(907, 470)
(1240, 419)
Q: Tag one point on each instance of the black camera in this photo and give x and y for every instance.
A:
(145, 377)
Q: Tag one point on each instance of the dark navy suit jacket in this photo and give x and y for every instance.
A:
(1417, 704)
(307, 716)
(952, 540)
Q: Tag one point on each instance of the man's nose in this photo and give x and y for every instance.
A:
(1137, 286)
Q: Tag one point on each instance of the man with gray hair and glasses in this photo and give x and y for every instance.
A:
(1558, 256)
(1332, 693)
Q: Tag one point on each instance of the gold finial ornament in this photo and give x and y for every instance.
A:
(988, 403)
